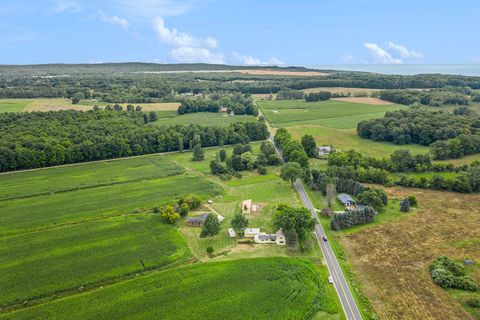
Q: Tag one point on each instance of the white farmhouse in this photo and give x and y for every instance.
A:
(277, 238)
(251, 232)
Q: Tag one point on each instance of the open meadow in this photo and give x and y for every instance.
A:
(391, 260)
(262, 288)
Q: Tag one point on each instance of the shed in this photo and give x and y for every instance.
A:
(231, 233)
(197, 221)
(247, 206)
(324, 150)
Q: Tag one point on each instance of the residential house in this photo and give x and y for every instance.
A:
(251, 232)
(223, 109)
(346, 200)
(277, 238)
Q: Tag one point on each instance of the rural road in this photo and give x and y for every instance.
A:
(343, 290)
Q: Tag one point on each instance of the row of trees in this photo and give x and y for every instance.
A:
(41, 139)
(308, 97)
(418, 126)
(352, 218)
(293, 150)
(238, 103)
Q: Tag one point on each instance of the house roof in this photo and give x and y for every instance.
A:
(266, 236)
(345, 198)
(252, 230)
(280, 233)
(200, 218)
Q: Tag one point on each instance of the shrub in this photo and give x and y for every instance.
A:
(210, 250)
(413, 201)
(473, 302)
(262, 170)
(450, 274)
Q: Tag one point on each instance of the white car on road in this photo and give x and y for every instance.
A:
(330, 279)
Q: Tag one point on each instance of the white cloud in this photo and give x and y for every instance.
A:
(380, 55)
(192, 54)
(251, 61)
(348, 58)
(113, 20)
(403, 51)
(180, 39)
(67, 7)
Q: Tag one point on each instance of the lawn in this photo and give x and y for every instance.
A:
(331, 113)
(20, 215)
(344, 140)
(264, 288)
(43, 263)
(200, 118)
(87, 175)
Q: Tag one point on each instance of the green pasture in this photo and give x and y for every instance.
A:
(13, 105)
(331, 113)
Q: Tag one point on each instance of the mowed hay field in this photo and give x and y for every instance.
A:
(40, 264)
(330, 113)
(264, 288)
(391, 261)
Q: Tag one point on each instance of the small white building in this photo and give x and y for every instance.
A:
(251, 232)
(231, 233)
(220, 218)
(277, 238)
(324, 150)
(223, 109)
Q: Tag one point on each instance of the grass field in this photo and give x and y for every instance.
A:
(20, 215)
(13, 105)
(344, 140)
(391, 260)
(43, 263)
(332, 114)
(87, 175)
(266, 288)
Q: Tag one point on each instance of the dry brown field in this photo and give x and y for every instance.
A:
(365, 100)
(391, 261)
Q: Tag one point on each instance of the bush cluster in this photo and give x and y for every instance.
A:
(450, 274)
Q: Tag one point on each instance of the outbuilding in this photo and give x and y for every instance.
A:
(251, 232)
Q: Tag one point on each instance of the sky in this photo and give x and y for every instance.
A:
(240, 32)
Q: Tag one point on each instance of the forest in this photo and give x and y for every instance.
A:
(41, 139)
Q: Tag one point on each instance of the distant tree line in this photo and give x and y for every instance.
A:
(41, 139)
(434, 98)
(132, 87)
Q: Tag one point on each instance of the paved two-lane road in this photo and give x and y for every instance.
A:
(343, 290)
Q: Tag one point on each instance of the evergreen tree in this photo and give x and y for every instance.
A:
(211, 226)
(198, 154)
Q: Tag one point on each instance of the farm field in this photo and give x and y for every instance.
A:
(331, 113)
(286, 288)
(391, 260)
(18, 105)
(86, 175)
(51, 261)
(342, 90)
(200, 118)
(21, 215)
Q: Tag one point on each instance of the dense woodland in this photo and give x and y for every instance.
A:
(40, 139)
(418, 126)
(433, 98)
(238, 104)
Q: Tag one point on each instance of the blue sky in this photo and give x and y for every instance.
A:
(246, 32)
